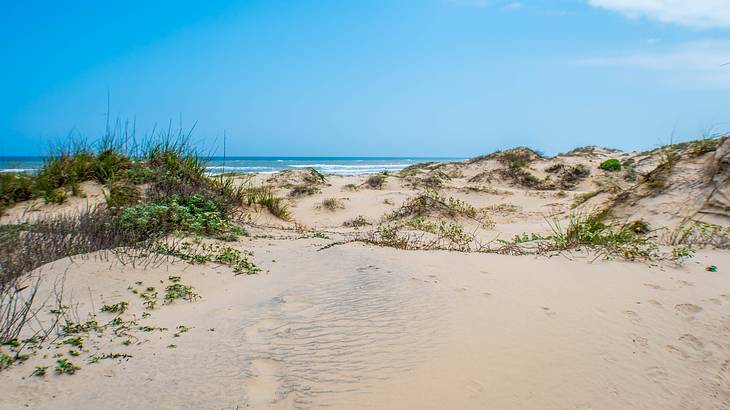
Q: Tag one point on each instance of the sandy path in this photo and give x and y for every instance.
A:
(363, 327)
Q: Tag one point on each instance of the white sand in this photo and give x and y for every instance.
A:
(363, 327)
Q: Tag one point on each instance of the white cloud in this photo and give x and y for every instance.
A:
(698, 63)
(699, 55)
(694, 13)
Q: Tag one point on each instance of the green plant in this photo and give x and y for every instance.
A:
(587, 229)
(680, 253)
(119, 195)
(611, 164)
(39, 371)
(119, 307)
(191, 214)
(5, 360)
(214, 253)
(657, 178)
(179, 291)
(180, 330)
(14, 188)
(75, 342)
(151, 329)
(264, 197)
(64, 366)
(96, 358)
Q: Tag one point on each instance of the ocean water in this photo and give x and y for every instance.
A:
(217, 165)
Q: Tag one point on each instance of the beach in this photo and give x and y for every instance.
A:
(407, 290)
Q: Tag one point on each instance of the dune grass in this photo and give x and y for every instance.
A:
(177, 197)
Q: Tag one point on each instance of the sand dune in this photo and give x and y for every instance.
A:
(340, 324)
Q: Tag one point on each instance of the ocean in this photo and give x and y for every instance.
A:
(216, 165)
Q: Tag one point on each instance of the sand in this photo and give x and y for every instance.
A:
(364, 327)
(359, 326)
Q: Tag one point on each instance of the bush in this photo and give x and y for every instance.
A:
(611, 165)
(14, 188)
(376, 181)
(191, 214)
(119, 195)
(587, 229)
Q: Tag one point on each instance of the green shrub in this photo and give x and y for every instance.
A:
(14, 188)
(611, 165)
(121, 194)
(191, 214)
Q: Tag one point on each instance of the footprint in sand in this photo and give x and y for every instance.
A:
(655, 303)
(692, 342)
(725, 367)
(687, 308)
(653, 286)
(684, 283)
(657, 374)
(547, 311)
(475, 388)
(640, 341)
(679, 353)
(263, 382)
(460, 290)
(633, 316)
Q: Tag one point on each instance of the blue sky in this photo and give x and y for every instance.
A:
(377, 77)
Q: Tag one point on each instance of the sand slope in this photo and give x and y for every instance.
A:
(363, 327)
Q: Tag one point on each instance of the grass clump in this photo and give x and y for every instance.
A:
(263, 197)
(304, 190)
(611, 165)
(376, 181)
(119, 307)
(587, 229)
(332, 204)
(657, 179)
(14, 188)
(39, 371)
(64, 366)
(179, 291)
(357, 222)
(430, 203)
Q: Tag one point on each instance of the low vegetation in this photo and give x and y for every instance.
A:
(611, 165)
(376, 181)
(430, 203)
(178, 198)
(332, 204)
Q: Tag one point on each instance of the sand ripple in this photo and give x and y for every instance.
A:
(338, 334)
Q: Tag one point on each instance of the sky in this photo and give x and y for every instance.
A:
(445, 78)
